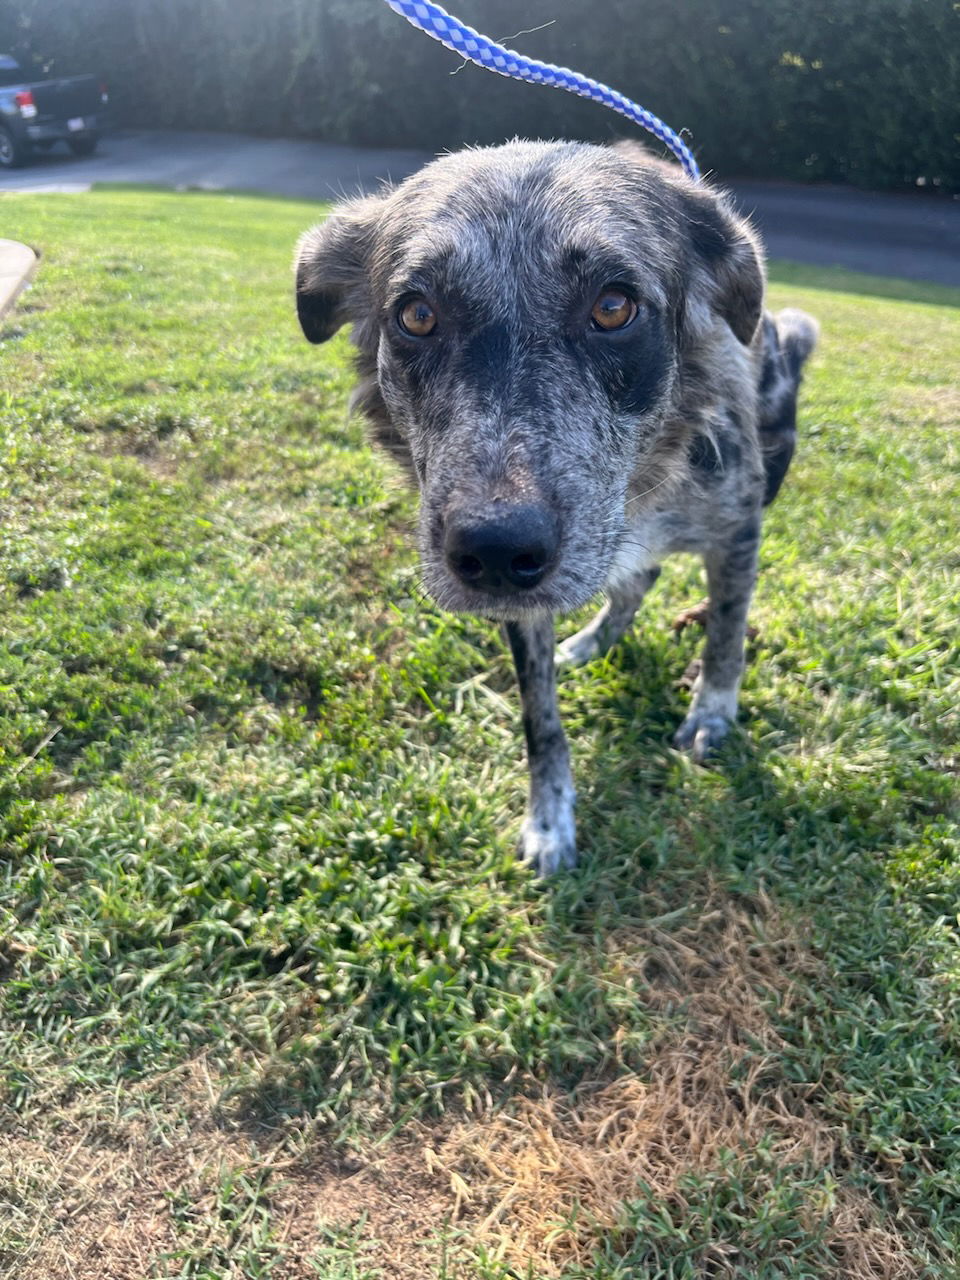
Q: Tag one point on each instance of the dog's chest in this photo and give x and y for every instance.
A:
(650, 538)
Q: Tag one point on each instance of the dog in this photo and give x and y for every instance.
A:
(566, 349)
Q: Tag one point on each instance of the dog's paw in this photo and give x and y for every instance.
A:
(695, 616)
(548, 849)
(577, 650)
(702, 732)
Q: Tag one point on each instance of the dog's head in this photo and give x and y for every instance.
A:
(523, 316)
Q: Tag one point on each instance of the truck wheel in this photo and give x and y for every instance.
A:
(84, 146)
(12, 152)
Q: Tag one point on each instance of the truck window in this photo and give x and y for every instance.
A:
(10, 72)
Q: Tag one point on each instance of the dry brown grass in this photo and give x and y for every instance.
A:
(534, 1184)
(537, 1184)
(940, 404)
(93, 1199)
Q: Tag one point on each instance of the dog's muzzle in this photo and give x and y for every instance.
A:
(510, 548)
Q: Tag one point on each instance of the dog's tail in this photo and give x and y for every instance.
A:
(788, 339)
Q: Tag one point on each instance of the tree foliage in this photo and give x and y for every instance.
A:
(839, 90)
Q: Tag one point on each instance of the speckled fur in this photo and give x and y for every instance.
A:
(669, 436)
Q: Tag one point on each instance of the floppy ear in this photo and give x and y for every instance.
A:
(729, 253)
(331, 269)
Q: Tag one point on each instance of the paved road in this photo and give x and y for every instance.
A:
(210, 161)
(916, 237)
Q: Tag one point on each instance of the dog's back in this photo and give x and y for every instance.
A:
(789, 337)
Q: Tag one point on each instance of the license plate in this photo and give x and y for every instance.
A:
(76, 124)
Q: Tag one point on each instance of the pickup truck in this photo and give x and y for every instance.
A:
(38, 113)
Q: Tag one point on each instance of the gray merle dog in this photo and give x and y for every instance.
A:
(565, 346)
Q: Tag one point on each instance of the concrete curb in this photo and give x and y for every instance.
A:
(17, 265)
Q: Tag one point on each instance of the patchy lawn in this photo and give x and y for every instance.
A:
(275, 998)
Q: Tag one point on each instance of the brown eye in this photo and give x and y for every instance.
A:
(613, 310)
(417, 318)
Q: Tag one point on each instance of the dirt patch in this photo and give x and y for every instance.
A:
(394, 1205)
(160, 462)
(131, 1196)
(939, 404)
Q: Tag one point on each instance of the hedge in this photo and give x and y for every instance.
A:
(859, 91)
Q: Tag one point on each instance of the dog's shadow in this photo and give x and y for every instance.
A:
(778, 807)
(747, 812)
(670, 851)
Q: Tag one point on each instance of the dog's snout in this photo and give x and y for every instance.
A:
(511, 548)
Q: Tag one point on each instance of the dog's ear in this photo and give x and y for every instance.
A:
(728, 252)
(331, 269)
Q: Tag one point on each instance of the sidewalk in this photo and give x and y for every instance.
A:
(17, 265)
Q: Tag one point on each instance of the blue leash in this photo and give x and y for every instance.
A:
(452, 33)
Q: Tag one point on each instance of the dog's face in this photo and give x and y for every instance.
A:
(523, 317)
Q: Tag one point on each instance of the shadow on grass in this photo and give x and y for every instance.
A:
(655, 829)
(725, 975)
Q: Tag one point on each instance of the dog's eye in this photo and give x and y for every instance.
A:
(613, 309)
(417, 318)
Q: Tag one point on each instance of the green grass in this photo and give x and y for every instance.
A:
(258, 799)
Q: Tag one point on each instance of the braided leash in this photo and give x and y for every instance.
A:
(452, 33)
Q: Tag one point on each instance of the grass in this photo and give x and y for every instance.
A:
(276, 998)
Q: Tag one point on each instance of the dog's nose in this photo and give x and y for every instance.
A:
(513, 547)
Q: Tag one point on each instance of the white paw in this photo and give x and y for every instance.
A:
(708, 722)
(578, 649)
(701, 733)
(549, 848)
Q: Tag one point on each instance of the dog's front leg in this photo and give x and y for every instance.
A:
(731, 575)
(607, 627)
(548, 836)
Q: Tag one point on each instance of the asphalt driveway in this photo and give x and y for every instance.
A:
(914, 237)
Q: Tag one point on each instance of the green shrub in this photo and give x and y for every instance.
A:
(811, 90)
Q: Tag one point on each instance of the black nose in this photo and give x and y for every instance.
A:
(512, 547)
